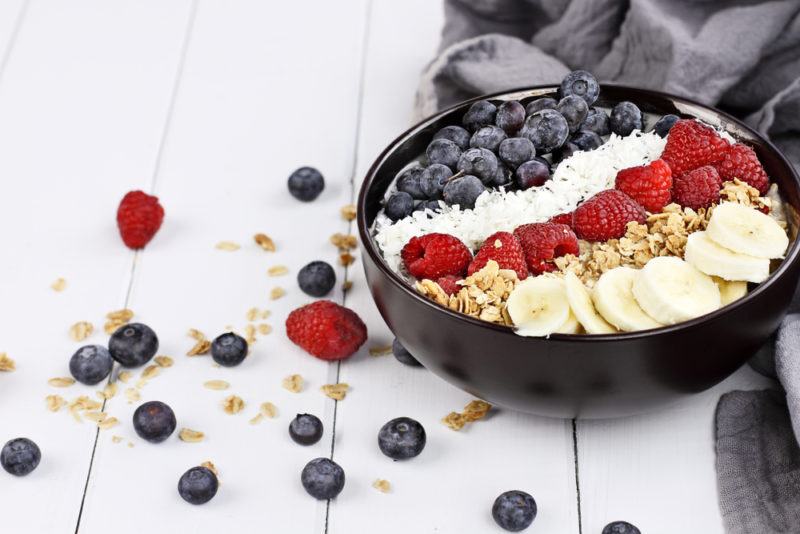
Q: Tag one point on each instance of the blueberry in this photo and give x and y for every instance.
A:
(154, 421)
(432, 205)
(463, 191)
(20, 456)
(322, 478)
(479, 114)
(91, 364)
(574, 109)
(456, 134)
(433, 180)
(443, 151)
(316, 278)
(306, 183)
(566, 151)
(620, 527)
(665, 124)
(479, 162)
(625, 118)
(488, 137)
(305, 429)
(229, 349)
(580, 83)
(502, 177)
(133, 344)
(586, 140)
(540, 104)
(408, 181)
(401, 438)
(198, 485)
(514, 510)
(546, 129)
(515, 151)
(398, 206)
(510, 116)
(596, 121)
(402, 354)
(532, 173)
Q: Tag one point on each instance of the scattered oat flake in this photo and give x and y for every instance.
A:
(116, 319)
(345, 259)
(108, 392)
(81, 330)
(232, 404)
(380, 351)
(150, 371)
(382, 485)
(264, 329)
(201, 347)
(61, 381)
(133, 395)
(116, 439)
(196, 334)
(348, 212)
(344, 242)
(454, 421)
(6, 364)
(265, 242)
(130, 445)
(277, 270)
(124, 376)
(250, 334)
(276, 293)
(141, 383)
(268, 410)
(58, 285)
(191, 436)
(256, 419)
(252, 314)
(474, 411)
(211, 467)
(216, 384)
(336, 391)
(105, 424)
(55, 402)
(265, 314)
(163, 361)
(228, 246)
(293, 383)
(95, 416)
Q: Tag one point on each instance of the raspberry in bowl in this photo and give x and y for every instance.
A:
(592, 279)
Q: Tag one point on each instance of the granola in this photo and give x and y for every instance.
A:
(81, 330)
(293, 383)
(336, 391)
(6, 364)
(232, 404)
(474, 411)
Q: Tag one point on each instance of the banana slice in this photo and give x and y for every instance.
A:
(538, 306)
(671, 291)
(572, 326)
(747, 231)
(580, 301)
(730, 291)
(613, 298)
(713, 259)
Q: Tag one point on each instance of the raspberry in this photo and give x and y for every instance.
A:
(503, 248)
(690, 145)
(542, 242)
(606, 216)
(435, 255)
(139, 217)
(326, 330)
(563, 218)
(697, 189)
(649, 185)
(741, 162)
(448, 284)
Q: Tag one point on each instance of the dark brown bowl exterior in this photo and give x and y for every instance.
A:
(572, 375)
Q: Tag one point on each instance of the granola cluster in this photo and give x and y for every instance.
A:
(483, 295)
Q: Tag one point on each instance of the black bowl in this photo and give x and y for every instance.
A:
(578, 375)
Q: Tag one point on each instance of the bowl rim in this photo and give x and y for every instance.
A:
(369, 247)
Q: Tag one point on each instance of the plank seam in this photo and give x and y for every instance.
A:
(12, 40)
(577, 473)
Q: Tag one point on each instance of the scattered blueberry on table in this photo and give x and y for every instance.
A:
(316, 279)
(198, 485)
(402, 355)
(154, 421)
(20, 456)
(401, 438)
(322, 478)
(229, 349)
(514, 510)
(91, 364)
(306, 184)
(133, 344)
(305, 429)
(620, 527)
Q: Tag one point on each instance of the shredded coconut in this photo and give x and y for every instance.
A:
(575, 179)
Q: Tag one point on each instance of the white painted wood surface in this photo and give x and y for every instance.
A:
(210, 104)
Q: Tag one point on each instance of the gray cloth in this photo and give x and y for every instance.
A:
(742, 56)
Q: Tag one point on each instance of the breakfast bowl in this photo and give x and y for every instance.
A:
(573, 375)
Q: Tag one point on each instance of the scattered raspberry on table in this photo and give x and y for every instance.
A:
(326, 330)
(139, 217)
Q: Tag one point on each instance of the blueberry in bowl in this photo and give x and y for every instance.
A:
(627, 212)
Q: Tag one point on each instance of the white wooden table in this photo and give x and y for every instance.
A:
(210, 104)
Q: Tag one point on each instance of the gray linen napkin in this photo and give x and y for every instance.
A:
(742, 56)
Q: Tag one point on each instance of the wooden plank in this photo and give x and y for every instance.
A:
(266, 88)
(81, 103)
(656, 470)
(451, 486)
